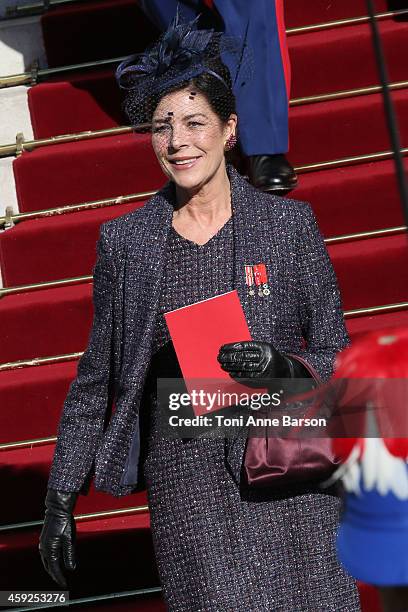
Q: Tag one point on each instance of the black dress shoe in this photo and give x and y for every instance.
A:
(271, 173)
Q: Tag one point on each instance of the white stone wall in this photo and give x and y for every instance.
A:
(14, 114)
(21, 43)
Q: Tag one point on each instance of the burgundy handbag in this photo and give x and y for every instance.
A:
(272, 461)
(275, 462)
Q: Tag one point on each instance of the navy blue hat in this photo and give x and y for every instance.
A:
(180, 54)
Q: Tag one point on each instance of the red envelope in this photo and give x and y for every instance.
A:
(198, 331)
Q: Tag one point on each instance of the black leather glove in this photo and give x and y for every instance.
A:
(58, 535)
(250, 360)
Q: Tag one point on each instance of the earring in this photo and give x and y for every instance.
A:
(231, 142)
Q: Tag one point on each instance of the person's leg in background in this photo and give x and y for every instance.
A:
(161, 12)
(262, 107)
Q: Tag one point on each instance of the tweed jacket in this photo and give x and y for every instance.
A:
(99, 429)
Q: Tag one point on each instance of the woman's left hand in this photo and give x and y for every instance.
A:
(253, 361)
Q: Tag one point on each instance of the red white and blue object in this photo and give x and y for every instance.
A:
(372, 541)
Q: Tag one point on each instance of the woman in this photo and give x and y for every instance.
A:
(219, 546)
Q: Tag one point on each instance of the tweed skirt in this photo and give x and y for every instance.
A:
(222, 548)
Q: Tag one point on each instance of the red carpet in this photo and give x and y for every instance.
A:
(55, 321)
(124, 538)
(353, 195)
(83, 171)
(370, 273)
(23, 473)
(63, 235)
(96, 98)
(92, 31)
(95, 95)
(316, 68)
(321, 11)
(351, 199)
(116, 165)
